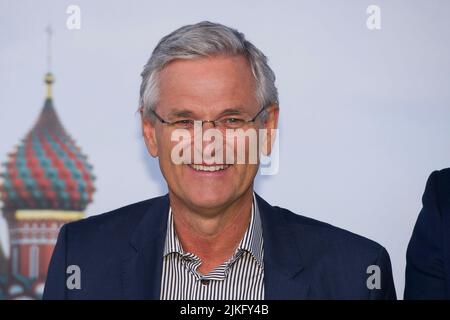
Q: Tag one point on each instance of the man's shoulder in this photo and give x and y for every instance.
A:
(327, 235)
(442, 180)
(114, 224)
(435, 196)
(338, 262)
(320, 243)
(444, 173)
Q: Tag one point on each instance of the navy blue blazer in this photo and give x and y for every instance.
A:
(119, 254)
(428, 255)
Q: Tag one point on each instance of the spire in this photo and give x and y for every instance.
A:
(49, 32)
(49, 79)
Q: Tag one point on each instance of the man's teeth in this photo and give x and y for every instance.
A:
(200, 167)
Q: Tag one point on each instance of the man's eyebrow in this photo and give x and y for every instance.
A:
(183, 113)
(232, 111)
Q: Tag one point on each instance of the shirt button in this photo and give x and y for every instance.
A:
(204, 282)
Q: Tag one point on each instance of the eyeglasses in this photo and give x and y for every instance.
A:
(226, 122)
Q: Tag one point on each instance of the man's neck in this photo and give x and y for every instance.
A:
(213, 236)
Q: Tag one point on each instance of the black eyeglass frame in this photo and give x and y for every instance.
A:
(214, 122)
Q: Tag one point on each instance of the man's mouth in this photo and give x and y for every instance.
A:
(209, 168)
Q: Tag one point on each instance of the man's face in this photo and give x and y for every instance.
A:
(204, 89)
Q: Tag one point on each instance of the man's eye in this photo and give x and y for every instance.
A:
(183, 123)
(233, 120)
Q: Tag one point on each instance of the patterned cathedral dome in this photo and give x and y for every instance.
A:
(47, 169)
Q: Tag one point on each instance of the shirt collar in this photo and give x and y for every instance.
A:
(252, 241)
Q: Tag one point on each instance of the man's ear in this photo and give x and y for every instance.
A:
(271, 125)
(149, 134)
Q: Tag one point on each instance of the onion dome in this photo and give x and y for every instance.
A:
(47, 169)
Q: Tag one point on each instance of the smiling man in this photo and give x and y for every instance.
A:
(209, 90)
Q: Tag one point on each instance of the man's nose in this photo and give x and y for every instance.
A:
(211, 123)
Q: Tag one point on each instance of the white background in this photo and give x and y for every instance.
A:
(365, 115)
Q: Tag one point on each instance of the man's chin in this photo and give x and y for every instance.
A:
(208, 200)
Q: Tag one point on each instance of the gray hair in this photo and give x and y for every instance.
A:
(205, 39)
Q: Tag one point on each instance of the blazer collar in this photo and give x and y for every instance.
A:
(142, 269)
(283, 263)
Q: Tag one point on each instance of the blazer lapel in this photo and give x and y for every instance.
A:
(142, 269)
(283, 267)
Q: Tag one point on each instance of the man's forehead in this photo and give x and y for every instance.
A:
(207, 61)
(211, 88)
(206, 69)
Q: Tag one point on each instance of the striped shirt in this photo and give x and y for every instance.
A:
(239, 278)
